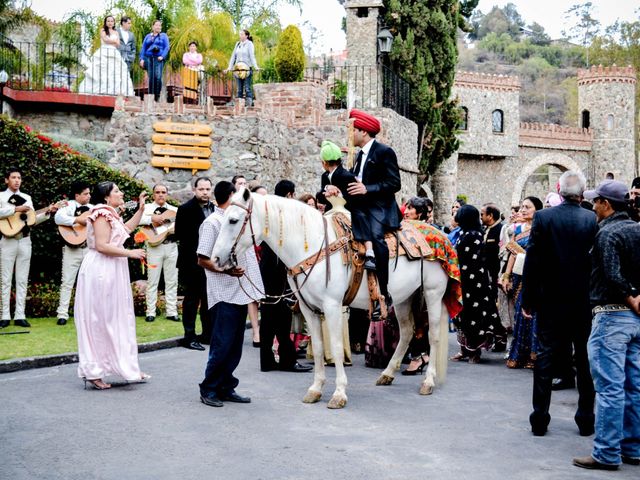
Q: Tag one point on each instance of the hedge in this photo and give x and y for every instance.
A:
(48, 170)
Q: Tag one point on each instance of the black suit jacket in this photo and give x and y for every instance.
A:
(558, 264)
(491, 251)
(381, 176)
(188, 220)
(341, 178)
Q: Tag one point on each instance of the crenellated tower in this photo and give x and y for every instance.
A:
(606, 105)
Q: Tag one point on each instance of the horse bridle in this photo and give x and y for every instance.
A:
(247, 220)
(234, 258)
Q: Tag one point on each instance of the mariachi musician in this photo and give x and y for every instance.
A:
(72, 255)
(162, 257)
(16, 249)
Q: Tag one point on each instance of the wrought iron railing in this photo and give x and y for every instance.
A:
(59, 67)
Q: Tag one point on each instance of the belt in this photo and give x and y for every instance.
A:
(613, 307)
(20, 236)
(168, 241)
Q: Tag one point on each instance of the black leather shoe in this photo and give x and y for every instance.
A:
(586, 424)
(592, 464)
(563, 384)
(212, 401)
(539, 426)
(21, 323)
(370, 263)
(174, 318)
(296, 367)
(62, 321)
(4, 323)
(235, 398)
(149, 318)
(630, 460)
(193, 346)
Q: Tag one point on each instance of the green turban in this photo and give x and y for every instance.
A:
(330, 151)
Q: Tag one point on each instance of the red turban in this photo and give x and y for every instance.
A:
(364, 121)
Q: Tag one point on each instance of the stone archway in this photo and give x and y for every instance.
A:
(563, 161)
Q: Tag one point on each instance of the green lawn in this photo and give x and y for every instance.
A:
(47, 338)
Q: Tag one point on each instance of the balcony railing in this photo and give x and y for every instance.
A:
(57, 67)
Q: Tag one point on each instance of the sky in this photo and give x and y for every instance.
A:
(326, 15)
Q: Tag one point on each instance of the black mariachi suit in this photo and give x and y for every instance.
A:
(376, 212)
(188, 220)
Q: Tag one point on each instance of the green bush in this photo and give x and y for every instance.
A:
(290, 55)
(49, 168)
(42, 300)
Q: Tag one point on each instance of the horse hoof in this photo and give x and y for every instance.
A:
(337, 402)
(426, 390)
(384, 380)
(312, 397)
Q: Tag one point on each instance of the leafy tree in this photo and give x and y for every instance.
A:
(424, 53)
(243, 12)
(537, 35)
(290, 60)
(584, 28)
(498, 20)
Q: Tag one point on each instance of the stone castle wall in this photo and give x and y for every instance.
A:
(279, 138)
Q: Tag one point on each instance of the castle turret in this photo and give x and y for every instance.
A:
(606, 103)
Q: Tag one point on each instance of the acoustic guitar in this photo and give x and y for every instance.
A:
(76, 235)
(12, 225)
(157, 235)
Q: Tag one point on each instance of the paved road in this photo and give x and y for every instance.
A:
(473, 427)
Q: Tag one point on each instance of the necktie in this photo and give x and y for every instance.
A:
(356, 170)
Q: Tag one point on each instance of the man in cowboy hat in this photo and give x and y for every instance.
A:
(372, 202)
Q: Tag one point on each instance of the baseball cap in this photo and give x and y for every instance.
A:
(612, 190)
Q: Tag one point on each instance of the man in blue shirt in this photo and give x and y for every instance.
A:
(153, 54)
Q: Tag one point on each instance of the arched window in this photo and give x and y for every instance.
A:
(610, 122)
(586, 121)
(497, 120)
(464, 118)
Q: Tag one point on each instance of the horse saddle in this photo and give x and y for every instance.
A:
(407, 241)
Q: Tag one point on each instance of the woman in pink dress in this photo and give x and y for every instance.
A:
(104, 316)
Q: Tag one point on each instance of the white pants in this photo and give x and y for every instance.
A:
(71, 261)
(164, 257)
(15, 254)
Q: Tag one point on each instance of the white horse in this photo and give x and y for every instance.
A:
(295, 231)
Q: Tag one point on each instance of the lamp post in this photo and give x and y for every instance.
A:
(3, 81)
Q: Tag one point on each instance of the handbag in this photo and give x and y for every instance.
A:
(518, 265)
(241, 70)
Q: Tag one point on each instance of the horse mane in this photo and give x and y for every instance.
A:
(294, 215)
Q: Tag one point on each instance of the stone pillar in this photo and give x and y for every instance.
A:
(364, 83)
(444, 186)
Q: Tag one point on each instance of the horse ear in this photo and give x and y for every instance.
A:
(246, 195)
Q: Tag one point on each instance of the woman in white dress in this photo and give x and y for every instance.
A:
(107, 73)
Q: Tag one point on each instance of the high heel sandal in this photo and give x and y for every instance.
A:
(423, 363)
(97, 383)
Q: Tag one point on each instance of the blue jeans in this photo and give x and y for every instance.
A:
(228, 325)
(154, 70)
(614, 355)
(244, 88)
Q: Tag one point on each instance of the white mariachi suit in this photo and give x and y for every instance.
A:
(71, 256)
(165, 258)
(16, 252)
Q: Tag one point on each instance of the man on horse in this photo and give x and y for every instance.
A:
(371, 197)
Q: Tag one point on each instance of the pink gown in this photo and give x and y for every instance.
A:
(104, 316)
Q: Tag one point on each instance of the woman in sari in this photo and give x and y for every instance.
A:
(522, 353)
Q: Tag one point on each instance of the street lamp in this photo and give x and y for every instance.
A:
(385, 40)
(4, 76)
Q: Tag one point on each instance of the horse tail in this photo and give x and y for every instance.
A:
(442, 360)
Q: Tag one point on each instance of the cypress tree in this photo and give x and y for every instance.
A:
(425, 54)
(290, 60)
